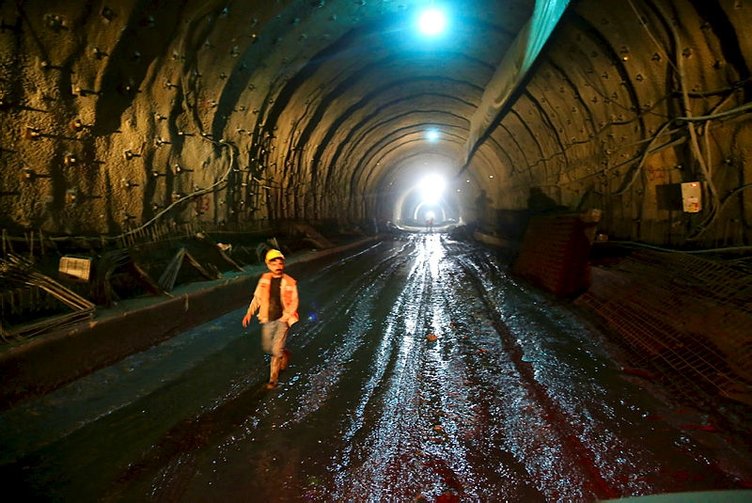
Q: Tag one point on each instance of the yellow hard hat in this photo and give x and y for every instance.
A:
(272, 254)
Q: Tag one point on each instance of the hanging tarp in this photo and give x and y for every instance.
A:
(512, 70)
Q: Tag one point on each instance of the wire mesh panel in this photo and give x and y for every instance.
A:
(680, 314)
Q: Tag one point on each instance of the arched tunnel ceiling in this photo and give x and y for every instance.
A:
(359, 107)
(120, 114)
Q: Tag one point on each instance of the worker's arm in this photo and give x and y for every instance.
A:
(290, 314)
(252, 308)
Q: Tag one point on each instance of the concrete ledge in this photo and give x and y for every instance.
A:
(52, 360)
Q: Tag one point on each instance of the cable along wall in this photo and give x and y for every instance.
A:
(629, 101)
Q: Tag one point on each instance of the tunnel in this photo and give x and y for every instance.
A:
(498, 159)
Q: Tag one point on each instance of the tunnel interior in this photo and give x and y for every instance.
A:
(149, 143)
(121, 116)
(151, 152)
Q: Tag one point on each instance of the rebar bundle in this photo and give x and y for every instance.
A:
(18, 271)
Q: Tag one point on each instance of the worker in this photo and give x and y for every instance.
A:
(276, 300)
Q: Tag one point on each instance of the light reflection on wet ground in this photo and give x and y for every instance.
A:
(420, 371)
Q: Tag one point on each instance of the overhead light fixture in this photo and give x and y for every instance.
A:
(432, 135)
(432, 22)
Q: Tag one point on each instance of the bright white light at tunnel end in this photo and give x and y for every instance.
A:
(432, 188)
(432, 21)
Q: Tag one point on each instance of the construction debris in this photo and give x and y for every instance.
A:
(169, 276)
(17, 272)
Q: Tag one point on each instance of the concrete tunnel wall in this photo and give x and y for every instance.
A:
(118, 114)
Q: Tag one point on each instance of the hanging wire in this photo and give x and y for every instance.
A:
(211, 188)
(702, 162)
(658, 45)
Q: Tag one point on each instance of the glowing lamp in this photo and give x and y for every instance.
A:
(432, 22)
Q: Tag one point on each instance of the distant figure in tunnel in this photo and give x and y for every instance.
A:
(276, 300)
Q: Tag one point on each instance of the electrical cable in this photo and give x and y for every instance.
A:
(701, 118)
(695, 144)
(697, 153)
(638, 169)
(735, 86)
(715, 211)
(192, 195)
(650, 33)
(732, 193)
(650, 150)
(671, 250)
(187, 93)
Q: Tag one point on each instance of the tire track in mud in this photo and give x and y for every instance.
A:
(414, 440)
(446, 464)
(465, 387)
(376, 432)
(572, 446)
(441, 387)
(606, 414)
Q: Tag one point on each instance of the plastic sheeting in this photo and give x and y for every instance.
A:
(511, 71)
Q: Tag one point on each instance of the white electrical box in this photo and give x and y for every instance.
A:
(77, 267)
(691, 197)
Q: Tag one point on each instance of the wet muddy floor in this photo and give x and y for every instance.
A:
(420, 371)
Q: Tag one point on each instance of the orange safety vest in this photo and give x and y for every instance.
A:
(288, 296)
